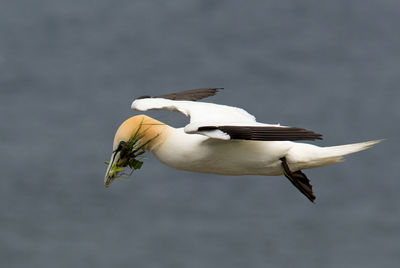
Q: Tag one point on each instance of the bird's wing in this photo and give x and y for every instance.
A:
(190, 95)
(220, 121)
(262, 132)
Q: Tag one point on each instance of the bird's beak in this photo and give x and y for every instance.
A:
(109, 178)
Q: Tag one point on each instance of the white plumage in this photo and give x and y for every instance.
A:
(228, 140)
(202, 114)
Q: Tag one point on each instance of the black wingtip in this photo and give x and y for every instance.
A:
(261, 133)
(189, 95)
(318, 136)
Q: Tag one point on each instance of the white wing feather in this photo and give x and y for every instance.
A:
(201, 114)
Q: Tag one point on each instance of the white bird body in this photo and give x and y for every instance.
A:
(225, 140)
(197, 153)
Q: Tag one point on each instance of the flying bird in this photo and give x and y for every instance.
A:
(221, 139)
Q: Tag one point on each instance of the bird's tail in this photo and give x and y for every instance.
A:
(303, 156)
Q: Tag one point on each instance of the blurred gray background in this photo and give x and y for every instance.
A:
(70, 69)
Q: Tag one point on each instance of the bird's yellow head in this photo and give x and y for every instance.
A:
(133, 137)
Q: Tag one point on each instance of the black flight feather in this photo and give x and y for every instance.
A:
(261, 133)
(190, 95)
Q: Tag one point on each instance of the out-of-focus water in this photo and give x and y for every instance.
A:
(70, 69)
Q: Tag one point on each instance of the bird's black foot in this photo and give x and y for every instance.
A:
(299, 180)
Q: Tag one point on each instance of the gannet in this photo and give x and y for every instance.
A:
(225, 140)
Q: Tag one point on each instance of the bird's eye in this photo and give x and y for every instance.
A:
(121, 145)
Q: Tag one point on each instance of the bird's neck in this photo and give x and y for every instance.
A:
(154, 132)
